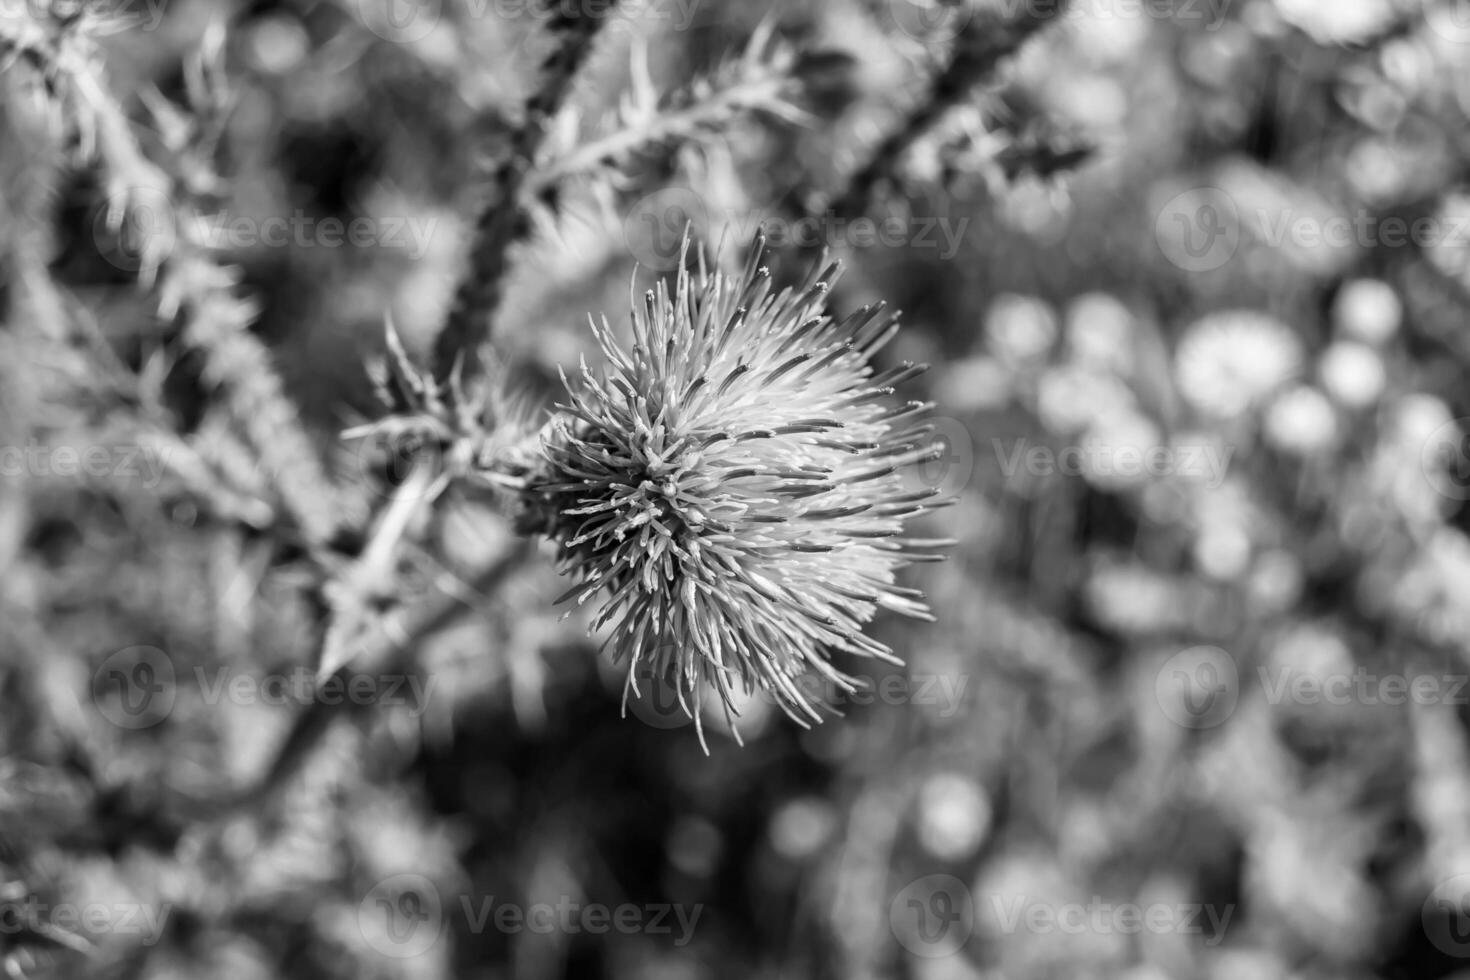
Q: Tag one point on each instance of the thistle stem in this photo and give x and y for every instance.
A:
(505, 221)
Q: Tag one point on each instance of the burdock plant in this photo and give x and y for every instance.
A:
(733, 486)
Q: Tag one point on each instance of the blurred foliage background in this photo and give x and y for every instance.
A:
(1229, 234)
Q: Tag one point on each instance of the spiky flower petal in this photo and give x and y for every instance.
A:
(734, 485)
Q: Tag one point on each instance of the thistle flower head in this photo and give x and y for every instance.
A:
(732, 485)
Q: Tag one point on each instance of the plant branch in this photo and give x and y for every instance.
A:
(988, 38)
(504, 221)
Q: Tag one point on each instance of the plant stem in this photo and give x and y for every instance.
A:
(505, 221)
(987, 39)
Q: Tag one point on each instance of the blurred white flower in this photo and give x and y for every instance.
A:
(1446, 252)
(1123, 449)
(802, 826)
(1231, 360)
(1380, 170)
(1276, 581)
(1071, 397)
(1223, 553)
(1093, 102)
(954, 816)
(1417, 417)
(1095, 28)
(1367, 310)
(1302, 422)
(1134, 599)
(1020, 328)
(1343, 22)
(1412, 463)
(1100, 332)
(276, 44)
(1353, 373)
(973, 384)
(1311, 650)
(1223, 547)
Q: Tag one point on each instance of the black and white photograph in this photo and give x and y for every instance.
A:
(735, 489)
